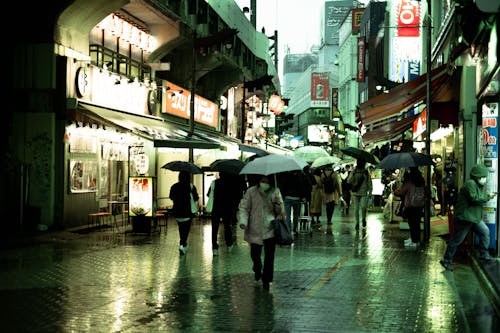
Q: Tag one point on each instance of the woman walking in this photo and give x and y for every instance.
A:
(180, 193)
(260, 205)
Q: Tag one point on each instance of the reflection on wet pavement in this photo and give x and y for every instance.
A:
(335, 280)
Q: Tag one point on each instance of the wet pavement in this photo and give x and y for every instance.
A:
(331, 280)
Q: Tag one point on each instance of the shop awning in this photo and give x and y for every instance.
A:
(157, 129)
(407, 94)
(253, 149)
(389, 130)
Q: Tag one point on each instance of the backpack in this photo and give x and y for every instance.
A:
(417, 196)
(328, 185)
(358, 181)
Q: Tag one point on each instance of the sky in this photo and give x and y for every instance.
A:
(297, 22)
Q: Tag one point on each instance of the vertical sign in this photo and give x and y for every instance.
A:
(357, 13)
(320, 88)
(489, 152)
(335, 102)
(408, 18)
(360, 72)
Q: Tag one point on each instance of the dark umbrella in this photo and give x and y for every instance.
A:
(360, 154)
(230, 166)
(404, 160)
(182, 166)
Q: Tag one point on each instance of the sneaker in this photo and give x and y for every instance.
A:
(215, 252)
(257, 276)
(446, 264)
(487, 257)
(412, 245)
(182, 250)
(265, 285)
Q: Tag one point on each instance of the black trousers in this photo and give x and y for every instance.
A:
(184, 228)
(256, 252)
(228, 232)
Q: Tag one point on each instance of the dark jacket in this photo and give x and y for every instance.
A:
(180, 195)
(470, 201)
(228, 191)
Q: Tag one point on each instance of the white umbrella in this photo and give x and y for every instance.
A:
(272, 163)
(325, 161)
(310, 153)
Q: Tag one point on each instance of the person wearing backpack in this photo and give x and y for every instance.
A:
(413, 194)
(361, 186)
(332, 190)
(468, 216)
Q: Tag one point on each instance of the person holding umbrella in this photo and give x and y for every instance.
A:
(260, 205)
(180, 194)
(468, 216)
(361, 186)
(228, 190)
(414, 208)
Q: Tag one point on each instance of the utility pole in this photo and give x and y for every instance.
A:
(427, 212)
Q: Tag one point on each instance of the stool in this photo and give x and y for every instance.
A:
(161, 216)
(98, 218)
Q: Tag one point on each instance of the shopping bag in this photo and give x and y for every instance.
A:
(282, 232)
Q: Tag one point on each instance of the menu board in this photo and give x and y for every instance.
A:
(141, 196)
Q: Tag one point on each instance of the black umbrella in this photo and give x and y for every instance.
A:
(230, 165)
(404, 160)
(360, 154)
(182, 166)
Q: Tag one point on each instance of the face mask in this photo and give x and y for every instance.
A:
(482, 180)
(264, 186)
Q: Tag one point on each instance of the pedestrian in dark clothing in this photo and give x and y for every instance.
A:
(295, 188)
(468, 216)
(180, 194)
(228, 190)
(361, 187)
(411, 180)
(346, 188)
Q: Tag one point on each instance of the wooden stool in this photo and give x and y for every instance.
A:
(161, 216)
(98, 218)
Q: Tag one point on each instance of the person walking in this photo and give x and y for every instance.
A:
(316, 204)
(260, 205)
(413, 183)
(361, 187)
(180, 194)
(295, 188)
(467, 216)
(332, 190)
(228, 190)
(346, 188)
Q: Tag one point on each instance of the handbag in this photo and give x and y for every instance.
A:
(282, 232)
(210, 202)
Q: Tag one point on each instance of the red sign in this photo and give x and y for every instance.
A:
(360, 72)
(319, 86)
(176, 101)
(408, 19)
(419, 124)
